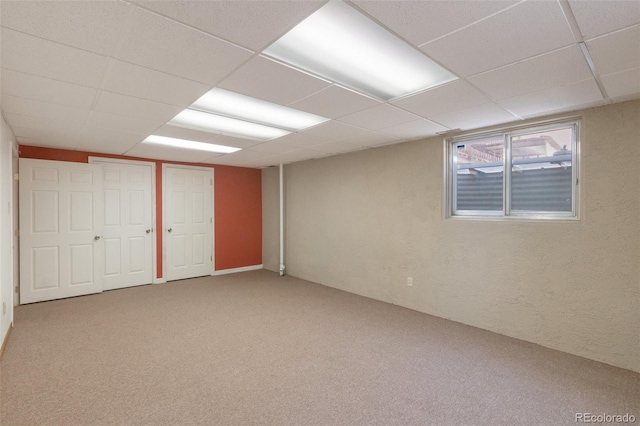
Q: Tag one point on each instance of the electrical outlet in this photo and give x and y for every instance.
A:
(4, 308)
(410, 281)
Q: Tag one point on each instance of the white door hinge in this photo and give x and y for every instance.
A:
(16, 176)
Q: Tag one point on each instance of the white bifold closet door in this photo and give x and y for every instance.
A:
(188, 219)
(61, 248)
(128, 224)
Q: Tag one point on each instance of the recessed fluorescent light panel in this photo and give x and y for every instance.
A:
(235, 105)
(187, 144)
(213, 123)
(342, 45)
(228, 113)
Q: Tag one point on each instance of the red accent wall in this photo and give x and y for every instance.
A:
(237, 206)
(240, 220)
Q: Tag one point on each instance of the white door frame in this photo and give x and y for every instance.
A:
(164, 216)
(154, 246)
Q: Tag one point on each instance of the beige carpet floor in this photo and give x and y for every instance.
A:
(258, 349)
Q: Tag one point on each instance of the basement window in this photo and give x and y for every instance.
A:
(527, 173)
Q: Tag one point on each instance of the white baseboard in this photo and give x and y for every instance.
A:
(234, 270)
(159, 280)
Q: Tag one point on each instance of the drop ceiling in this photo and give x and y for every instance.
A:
(101, 76)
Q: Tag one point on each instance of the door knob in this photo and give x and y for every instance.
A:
(170, 229)
(148, 231)
(97, 237)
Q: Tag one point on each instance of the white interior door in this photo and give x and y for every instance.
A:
(60, 230)
(128, 223)
(188, 218)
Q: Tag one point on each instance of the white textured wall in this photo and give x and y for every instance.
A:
(271, 218)
(16, 225)
(7, 143)
(363, 222)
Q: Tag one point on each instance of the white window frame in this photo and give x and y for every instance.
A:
(450, 174)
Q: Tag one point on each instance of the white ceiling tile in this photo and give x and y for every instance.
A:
(108, 141)
(103, 120)
(251, 24)
(299, 155)
(300, 140)
(33, 108)
(355, 134)
(378, 117)
(554, 99)
(333, 131)
(334, 102)
(198, 157)
(337, 147)
(239, 157)
(273, 147)
(52, 60)
(265, 79)
(449, 97)
(553, 69)
(528, 29)
(407, 18)
(211, 157)
(622, 84)
(25, 141)
(617, 51)
(115, 103)
(473, 118)
(571, 108)
(165, 45)
(89, 25)
(25, 132)
(413, 130)
(27, 121)
(229, 160)
(58, 138)
(159, 152)
(260, 164)
(599, 17)
(371, 139)
(46, 90)
(395, 142)
(133, 80)
(266, 160)
(633, 97)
